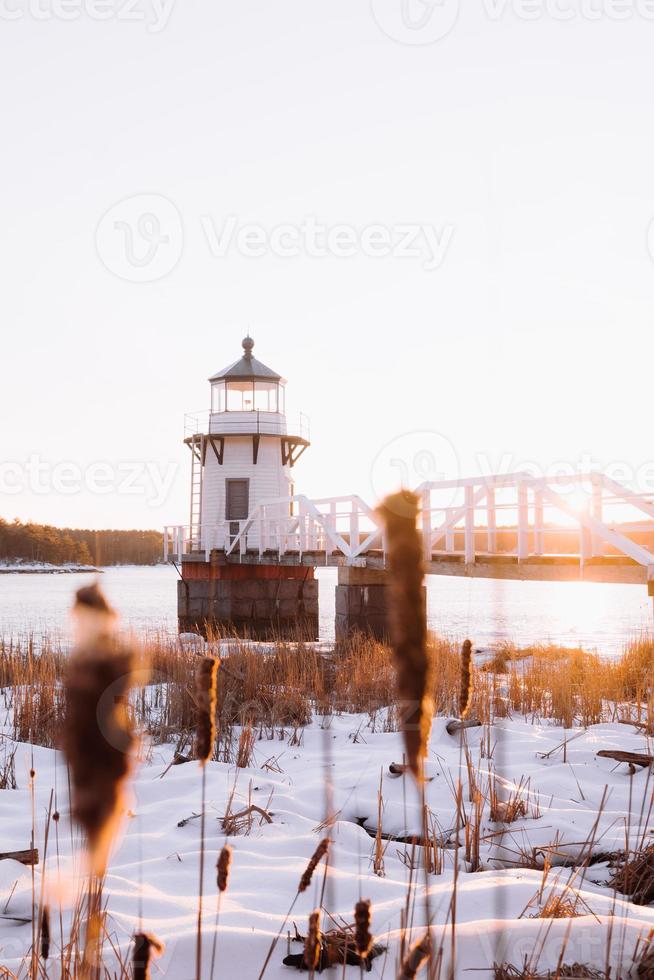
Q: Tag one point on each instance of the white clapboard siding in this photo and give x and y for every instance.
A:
(268, 478)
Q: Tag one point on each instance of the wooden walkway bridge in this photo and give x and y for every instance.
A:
(512, 526)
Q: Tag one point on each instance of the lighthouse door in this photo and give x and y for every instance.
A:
(237, 500)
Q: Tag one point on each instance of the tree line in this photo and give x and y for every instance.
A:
(59, 545)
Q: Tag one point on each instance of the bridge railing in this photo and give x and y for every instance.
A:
(335, 525)
(514, 514)
(470, 517)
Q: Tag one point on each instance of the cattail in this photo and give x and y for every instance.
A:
(223, 865)
(316, 858)
(362, 934)
(145, 947)
(408, 623)
(313, 942)
(45, 933)
(97, 736)
(205, 683)
(415, 959)
(465, 694)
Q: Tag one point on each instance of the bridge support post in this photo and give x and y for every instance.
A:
(362, 602)
(251, 600)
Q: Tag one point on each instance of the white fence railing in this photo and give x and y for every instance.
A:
(248, 423)
(512, 514)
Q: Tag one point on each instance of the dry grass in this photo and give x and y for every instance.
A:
(567, 971)
(634, 876)
(284, 688)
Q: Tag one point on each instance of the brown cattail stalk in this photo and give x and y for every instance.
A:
(45, 933)
(305, 881)
(97, 737)
(145, 947)
(205, 685)
(408, 623)
(362, 934)
(312, 942)
(316, 858)
(465, 694)
(223, 866)
(415, 959)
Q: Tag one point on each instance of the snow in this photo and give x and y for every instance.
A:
(155, 862)
(20, 565)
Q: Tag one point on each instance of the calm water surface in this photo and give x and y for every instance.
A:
(595, 616)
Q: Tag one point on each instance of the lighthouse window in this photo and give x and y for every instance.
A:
(218, 397)
(265, 396)
(240, 396)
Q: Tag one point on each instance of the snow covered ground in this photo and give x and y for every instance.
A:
(154, 867)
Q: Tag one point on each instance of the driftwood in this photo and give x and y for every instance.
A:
(456, 725)
(400, 769)
(29, 857)
(632, 758)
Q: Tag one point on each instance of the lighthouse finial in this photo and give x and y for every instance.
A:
(248, 344)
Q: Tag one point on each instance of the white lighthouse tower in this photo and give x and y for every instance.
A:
(243, 452)
(247, 454)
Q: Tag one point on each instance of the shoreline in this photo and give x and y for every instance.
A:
(44, 568)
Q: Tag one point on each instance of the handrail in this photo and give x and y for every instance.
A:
(349, 526)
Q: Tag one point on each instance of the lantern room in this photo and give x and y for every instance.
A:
(247, 385)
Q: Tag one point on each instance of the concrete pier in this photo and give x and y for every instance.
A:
(362, 602)
(257, 601)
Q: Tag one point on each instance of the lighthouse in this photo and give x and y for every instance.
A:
(243, 456)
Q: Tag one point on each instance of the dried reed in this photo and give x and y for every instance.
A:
(313, 942)
(415, 958)
(307, 875)
(314, 861)
(97, 735)
(145, 947)
(362, 933)
(205, 735)
(206, 708)
(465, 694)
(408, 623)
(223, 866)
(45, 933)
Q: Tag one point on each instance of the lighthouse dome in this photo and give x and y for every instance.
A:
(247, 366)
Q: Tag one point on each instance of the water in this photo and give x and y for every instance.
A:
(595, 616)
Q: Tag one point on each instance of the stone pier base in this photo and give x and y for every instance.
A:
(257, 601)
(362, 603)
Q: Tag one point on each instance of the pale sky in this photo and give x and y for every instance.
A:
(521, 332)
